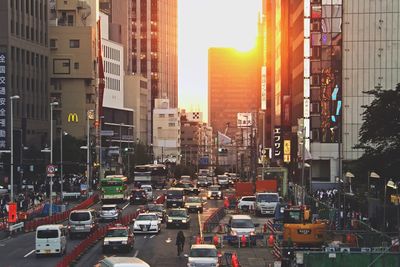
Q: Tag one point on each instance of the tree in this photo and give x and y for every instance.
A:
(380, 133)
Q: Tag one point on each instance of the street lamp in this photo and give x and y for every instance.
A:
(52, 105)
(12, 98)
(90, 116)
(62, 133)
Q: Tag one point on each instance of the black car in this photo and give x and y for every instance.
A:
(202, 182)
(175, 198)
(188, 188)
(138, 196)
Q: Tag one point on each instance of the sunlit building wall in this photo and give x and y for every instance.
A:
(233, 86)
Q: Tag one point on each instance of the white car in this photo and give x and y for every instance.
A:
(147, 223)
(203, 255)
(149, 191)
(246, 203)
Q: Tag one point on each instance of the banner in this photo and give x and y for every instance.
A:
(101, 71)
(3, 101)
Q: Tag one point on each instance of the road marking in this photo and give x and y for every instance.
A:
(136, 253)
(169, 240)
(124, 207)
(152, 236)
(29, 253)
(145, 236)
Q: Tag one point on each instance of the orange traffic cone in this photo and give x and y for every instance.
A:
(198, 240)
(243, 240)
(271, 241)
(216, 241)
(235, 261)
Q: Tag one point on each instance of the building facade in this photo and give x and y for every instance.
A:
(149, 33)
(371, 58)
(24, 71)
(166, 132)
(233, 86)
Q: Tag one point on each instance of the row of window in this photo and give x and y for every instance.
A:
(163, 115)
(35, 8)
(111, 53)
(113, 84)
(28, 33)
(112, 68)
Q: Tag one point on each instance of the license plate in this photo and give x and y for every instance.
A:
(79, 228)
(115, 247)
(177, 224)
(304, 231)
(47, 251)
(174, 205)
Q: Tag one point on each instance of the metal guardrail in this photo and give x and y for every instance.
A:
(213, 220)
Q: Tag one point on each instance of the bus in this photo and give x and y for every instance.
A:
(154, 174)
(114, 188)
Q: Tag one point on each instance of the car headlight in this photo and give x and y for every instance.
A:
(170, 220)
(184, 221)
(124, 242)
(105, 242)
(219, 193)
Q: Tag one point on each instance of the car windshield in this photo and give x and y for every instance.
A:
(193, 200)
(242, 223)
(214, 188)
(174, 194)
(267, 198)
(177, 213)
(147, 189)
(203, 252)
(47, 234)
(223, 178)
(117, 233)
(155, 208)
(146, 217)
(108, 208)
(138, 193)
(80, 216)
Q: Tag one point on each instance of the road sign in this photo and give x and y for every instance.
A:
(51, 170)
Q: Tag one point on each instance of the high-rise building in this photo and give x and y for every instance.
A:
(149, 33)
(233, 86)
(24, 71)
(371, 58)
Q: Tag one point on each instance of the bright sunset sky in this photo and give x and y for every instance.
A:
(210, 23)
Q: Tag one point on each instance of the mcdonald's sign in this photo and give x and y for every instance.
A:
(73, 117)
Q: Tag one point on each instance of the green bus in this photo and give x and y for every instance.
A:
(114, 188)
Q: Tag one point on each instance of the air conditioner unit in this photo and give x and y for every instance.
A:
(330, 249)
(365, 249)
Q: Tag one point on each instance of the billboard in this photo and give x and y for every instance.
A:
(3, 100)
(244, 120)
(263, 88)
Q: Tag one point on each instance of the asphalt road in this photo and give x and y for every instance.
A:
(156, 249)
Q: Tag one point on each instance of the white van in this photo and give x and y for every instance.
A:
(123, 262)
(51, 239)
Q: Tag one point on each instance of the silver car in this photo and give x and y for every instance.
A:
(109, 212)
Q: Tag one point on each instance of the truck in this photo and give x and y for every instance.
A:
(266, 203)
(248, 189)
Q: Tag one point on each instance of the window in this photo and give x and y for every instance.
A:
(161, 116)
(53, 43)
(171, 115)
(76, 65)
(171, 124)
(74, 43)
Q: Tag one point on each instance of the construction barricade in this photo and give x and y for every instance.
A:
(59, 217)
(81, 248)
(213, 221)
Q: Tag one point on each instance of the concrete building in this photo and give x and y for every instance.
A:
(191, 137)
(166, 132)
(72, 38)
(149, 34)
(371, 58)
(136, 97)
(24, 71)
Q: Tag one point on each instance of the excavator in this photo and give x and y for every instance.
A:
(300, 230)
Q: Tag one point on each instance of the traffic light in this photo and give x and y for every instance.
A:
(222, 151)
(128, 149)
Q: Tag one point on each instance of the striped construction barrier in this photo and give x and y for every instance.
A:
(277, 251)
(85, 244)
(59, 217)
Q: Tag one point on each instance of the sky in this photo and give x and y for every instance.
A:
(209, 23)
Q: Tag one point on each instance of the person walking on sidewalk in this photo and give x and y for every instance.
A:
(180, 242)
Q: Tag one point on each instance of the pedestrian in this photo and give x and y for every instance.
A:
(180, 242)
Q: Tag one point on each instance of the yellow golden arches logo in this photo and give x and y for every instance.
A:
(73, 117)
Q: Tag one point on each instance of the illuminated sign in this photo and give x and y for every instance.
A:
(73, 117)
(263, 87)
(286, 151)
(277, 142)
(3, 101)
